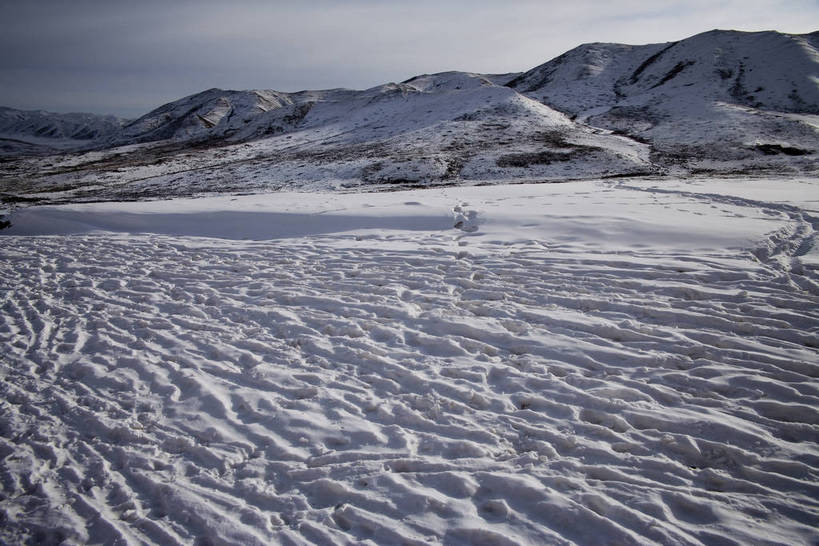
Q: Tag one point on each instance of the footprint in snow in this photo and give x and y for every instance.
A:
(465, 220)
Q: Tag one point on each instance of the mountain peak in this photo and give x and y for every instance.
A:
(717, 101)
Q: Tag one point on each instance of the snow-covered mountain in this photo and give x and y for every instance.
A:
(23, 131)
(767, 70)
(722, 101)
(213, 113)
(433, 129)
(720, 95)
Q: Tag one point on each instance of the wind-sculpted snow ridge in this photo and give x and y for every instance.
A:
(593, 363)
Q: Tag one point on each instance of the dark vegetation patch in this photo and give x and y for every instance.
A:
(633, 136)
(630, 121)
(10, 199)
(687, 155)
(556, 139)
(454, 166)
(749, 170)
(674, 72)
(776, 149)
(724, 73)
(559, 149)
(546, 73)
(396, 184)
(392, 181)
(373, 174)
(648, 62)
(631, 174)
(740, 92)
(533, 158)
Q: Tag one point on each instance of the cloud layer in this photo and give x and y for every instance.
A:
(127, 57)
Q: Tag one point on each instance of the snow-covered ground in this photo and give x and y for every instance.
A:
(592, 363)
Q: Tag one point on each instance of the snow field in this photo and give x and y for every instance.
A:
(607, 363)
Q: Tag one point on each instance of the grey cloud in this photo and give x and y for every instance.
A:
(128, 57)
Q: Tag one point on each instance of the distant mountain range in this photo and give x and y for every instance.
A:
(718, 102)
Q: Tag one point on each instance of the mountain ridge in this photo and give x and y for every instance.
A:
(714, 102)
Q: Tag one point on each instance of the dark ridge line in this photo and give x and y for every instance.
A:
(648, 62)
(544, 79)
(674, 72)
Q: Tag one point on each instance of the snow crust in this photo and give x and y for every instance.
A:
(588, 363)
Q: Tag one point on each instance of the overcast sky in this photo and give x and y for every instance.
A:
(126, 57)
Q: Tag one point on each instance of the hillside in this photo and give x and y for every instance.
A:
(718, 97)
(25, 132)
(719, 102)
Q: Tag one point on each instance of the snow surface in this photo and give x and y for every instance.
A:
(585, 363)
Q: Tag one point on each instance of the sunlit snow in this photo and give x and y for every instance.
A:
(597, 362)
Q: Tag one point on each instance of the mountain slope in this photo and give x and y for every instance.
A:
(37, 130)
(432, 129)
(717, 96)
(718, 102)
(733, 66)
(209, 114)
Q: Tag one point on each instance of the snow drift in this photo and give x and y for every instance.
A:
(588, 363)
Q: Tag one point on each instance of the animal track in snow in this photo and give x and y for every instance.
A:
(325, 389)
(465, 219)
(258, 391)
